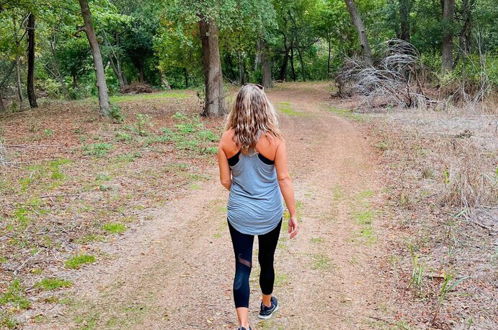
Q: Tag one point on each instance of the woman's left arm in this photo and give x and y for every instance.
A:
(225, 175)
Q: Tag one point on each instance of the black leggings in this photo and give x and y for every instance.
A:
(242, 246)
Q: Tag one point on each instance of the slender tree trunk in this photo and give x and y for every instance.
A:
(283, 68)
(266, 65)
(362, 33)
(18, 66)
(293, 71)
(116, 65)
(213, 78)
(117, 73)
(242, 70)
(185, 75)
(97, 58)
(405, 7)
(31, 61)
(2, 106)
(465, 35)
(303, 69)
(447, 42)
(329, 55)
(120, 71)
(56, 68)
(18, 82)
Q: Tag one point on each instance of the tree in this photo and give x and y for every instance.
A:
(97, 58)
(266, 65)
(447, 40)
(30, 27)
(213, 78)
(360, 28)
(405, 7)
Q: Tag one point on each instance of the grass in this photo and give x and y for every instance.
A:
(348, 114)
(15, 296)
(114, 227)
(149, 96)
(316, 240)
(49, 284)
(97, 149)
(77, 261)
(320, 262)
(287, 108)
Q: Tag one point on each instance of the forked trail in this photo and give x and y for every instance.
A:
(175, 272)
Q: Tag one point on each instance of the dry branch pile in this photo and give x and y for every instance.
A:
(394, 81)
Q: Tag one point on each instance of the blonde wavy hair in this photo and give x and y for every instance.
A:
(252, 115)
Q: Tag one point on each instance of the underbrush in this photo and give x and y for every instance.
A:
(442, 188)
(71, 180)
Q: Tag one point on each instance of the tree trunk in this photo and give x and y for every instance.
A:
(329, 55)
(18, 82)
(242, 70)
(447, 42)
(266, 65)
(97, 58)
(2, 106)
(360, 28)
(293, 70)
(30, 27)
(283, 69)
(213, 78)
(405, 7)
(303, 71)
(465, 35)
(185, 75)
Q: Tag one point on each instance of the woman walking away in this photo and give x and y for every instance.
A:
(253, 165)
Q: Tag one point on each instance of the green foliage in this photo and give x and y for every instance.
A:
(79, 260)
(116, 114)
(15, 296)
(97, 149)
(114, 227)
(142, 124)
(49, 284)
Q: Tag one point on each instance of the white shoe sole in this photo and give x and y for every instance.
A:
(269, 316)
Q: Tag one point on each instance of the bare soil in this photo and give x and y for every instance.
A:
(175, 270)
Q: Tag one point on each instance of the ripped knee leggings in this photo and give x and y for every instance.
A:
(242, 246)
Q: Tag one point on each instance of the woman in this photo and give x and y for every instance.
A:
(253, 165)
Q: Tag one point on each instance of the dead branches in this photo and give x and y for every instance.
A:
(394, 81)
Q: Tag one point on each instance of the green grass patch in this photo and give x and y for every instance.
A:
(287, 108)
(114, 227)
(364, 217)
(97, 149)
(49, 284)
(320, 262)
(78, 261)
(15, 296)
(348, 114)
(316, 240)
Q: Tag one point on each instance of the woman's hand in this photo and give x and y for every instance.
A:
(293, 228)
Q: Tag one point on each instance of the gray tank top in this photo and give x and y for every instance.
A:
(255, 202)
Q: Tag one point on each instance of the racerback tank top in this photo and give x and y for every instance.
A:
(255, 202)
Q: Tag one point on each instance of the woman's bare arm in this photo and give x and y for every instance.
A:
(225, 175)
(285, 183)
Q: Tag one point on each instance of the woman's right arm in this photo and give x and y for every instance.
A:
(285, 183)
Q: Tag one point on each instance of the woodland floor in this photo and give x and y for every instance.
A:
(172, 267)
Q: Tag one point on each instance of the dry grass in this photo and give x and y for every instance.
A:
(71, 178)
(443, 215)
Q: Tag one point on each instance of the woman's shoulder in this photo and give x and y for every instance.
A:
(227, 142)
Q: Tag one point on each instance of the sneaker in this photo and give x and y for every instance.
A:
(266, 312)
(242, 328)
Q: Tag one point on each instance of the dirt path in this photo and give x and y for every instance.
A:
(175, 272)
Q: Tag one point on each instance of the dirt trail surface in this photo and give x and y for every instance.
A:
(175, 271)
